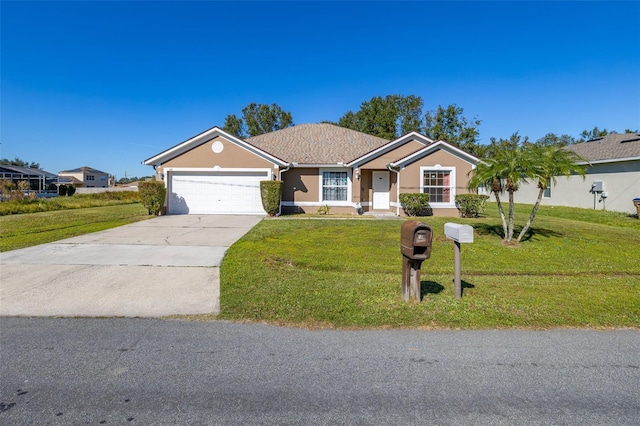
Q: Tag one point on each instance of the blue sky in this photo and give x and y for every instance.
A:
(110, 84)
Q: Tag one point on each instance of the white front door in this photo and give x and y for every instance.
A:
(380, 190)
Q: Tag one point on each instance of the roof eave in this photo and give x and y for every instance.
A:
(203, 137)
(609, 160)
(471, 159)
(389, 147)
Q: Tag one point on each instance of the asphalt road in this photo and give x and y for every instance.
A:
(145, 371)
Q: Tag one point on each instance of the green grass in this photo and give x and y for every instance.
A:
(25, 230)
(77, 201)
(578, 268)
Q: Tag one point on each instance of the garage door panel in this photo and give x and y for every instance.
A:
(216, 193)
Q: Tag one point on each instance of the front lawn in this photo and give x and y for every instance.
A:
(578, 268)
(25, 230)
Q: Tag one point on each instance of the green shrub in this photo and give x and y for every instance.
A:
(271, 193)
(471, 205)
(415, 204)
(324, 209)
(152, 194)
(71, 190)
(62, 190)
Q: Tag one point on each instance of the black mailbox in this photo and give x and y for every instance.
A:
(415, 240)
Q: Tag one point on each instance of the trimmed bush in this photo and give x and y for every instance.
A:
(71, 190)
(271, 193)
(415, 204)
(152, 194)
(62, 190)
(471, 205)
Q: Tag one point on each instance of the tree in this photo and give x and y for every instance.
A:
(509, 166)
(257, 119)
(551, 139)
(450, 125)
(388, 117)
(234, 125)
(548, 162)
(18, 162)
(596, 133)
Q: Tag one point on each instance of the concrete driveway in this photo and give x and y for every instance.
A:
(167, 265)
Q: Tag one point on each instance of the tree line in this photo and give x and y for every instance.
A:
(20, 163)
(392, 116)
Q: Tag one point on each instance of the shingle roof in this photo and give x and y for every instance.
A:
(26, 171)
(615, 146)
(83, 169)
(321, 143)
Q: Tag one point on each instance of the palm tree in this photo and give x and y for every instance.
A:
(510, 166)
(486, 175)
(548, 163)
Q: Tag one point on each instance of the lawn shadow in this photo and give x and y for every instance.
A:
(466, 284)
(430, 287)
(541, 232)
(488, 229)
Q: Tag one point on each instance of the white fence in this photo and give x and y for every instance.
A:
(111, 189)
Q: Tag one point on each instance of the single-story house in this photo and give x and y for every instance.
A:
(319, 164)
(612, 177)
(39, 180)
(85, 177)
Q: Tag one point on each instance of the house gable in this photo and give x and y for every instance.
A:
(394, 150)
(217, 142)
(434, 147)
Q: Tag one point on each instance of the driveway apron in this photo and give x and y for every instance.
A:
(167, 265)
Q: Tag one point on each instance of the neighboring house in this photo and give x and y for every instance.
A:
(39, 180)
(320, 164)
(612, 180)
(84, 177)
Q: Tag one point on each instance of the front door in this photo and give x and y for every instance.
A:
(380, 190)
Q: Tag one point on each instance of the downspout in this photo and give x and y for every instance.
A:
(280, 172)
(397, 172)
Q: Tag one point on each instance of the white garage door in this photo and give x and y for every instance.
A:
(215, 192)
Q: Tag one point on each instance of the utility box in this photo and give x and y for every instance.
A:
(415, 240)
(459, 233)
(597, 186)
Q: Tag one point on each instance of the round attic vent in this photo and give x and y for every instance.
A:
(217, 147)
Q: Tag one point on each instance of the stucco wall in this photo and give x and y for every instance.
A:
(410, 176)
(306, 182)
(621, 182)
(203, 156)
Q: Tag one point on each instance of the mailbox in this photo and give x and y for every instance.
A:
(415, 240)
(459, 233)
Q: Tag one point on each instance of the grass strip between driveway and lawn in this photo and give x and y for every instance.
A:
(576, 268)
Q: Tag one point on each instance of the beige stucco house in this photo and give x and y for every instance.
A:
(84, 177)
(612, 177)
(320, 164)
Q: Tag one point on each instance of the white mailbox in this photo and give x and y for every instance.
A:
(459, 233)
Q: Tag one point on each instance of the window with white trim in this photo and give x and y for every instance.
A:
(439, 183)
(335, 186)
